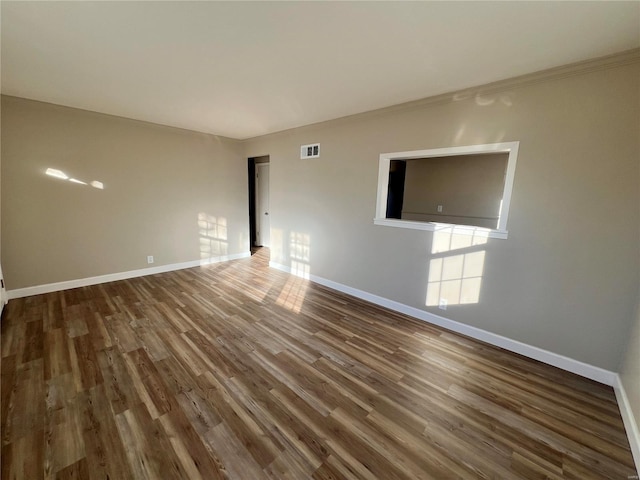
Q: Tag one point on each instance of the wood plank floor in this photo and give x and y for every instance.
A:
(237, 371)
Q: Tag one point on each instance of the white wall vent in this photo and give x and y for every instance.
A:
(310, 151)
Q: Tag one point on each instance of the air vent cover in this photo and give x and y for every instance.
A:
(310, 151)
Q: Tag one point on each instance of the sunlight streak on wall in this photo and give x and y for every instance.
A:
(277, 246)
(54, 172)
(450, 237)
(456, 279)
(300, 253)
(213, 236)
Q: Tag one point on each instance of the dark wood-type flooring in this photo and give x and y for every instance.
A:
(237, 371)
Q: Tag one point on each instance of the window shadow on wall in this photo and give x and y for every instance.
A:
(293, 292)
(456, 279)
(213, 237)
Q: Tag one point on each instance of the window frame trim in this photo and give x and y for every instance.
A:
(383, 184)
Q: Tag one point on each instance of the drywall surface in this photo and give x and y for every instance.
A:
(566, 278)
(176, 195)
(630, 369)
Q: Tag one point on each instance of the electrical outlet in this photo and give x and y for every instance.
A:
(150, 259)
(443, 304)
(439, 208)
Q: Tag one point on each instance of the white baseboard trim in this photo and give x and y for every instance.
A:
(630, 423)
(580, 368)
(112, 277)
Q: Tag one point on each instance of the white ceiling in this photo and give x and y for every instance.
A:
(242, 69)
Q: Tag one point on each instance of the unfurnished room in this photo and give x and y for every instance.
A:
(320, 240)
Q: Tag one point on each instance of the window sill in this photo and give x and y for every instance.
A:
(435, 227)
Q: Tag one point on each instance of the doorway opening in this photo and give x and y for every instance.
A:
(259, 220)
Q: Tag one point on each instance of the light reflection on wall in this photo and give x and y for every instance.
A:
(55, 173)
(455, 237)
(213, 236)
(277, 246)
(456, 279)
(293, 293)
(299, 253)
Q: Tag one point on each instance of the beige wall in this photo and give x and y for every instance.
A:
(165, 190)
(566, 278)
(630, 369)
(469, 188)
